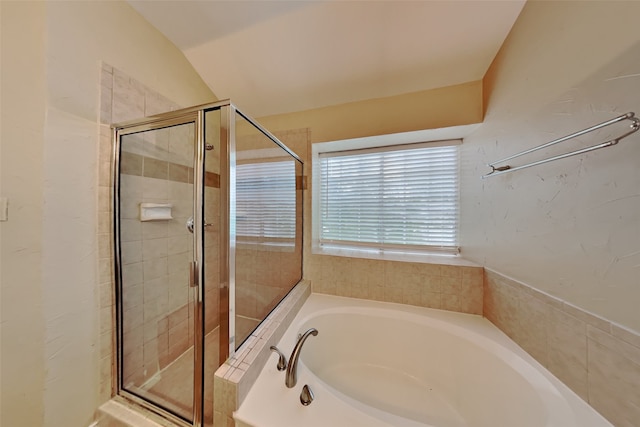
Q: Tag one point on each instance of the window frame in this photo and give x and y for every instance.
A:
(366, 250)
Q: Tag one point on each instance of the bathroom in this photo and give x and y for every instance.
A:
(569, 230)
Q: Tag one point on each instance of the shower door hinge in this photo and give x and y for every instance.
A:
(193, 274)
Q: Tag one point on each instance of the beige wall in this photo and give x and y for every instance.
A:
(22, 323)
(572, 227)
(429, 109)
(51, 309)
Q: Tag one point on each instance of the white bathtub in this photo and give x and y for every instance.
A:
(379, 364)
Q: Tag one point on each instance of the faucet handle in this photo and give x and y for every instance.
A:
(282, 360)
(306, 396)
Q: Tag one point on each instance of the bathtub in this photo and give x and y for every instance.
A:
(381, 364)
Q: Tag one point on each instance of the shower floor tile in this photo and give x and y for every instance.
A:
(172, 387)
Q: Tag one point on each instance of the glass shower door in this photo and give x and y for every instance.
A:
(160, 308)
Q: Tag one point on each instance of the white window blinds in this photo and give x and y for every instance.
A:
(391, 197)
(266, 200)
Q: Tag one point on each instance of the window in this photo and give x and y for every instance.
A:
(396, 198)
(266, 201)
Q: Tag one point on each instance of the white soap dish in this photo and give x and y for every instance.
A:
(155, 211)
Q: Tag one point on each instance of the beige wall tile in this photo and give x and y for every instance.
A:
(104, 173)
(343, 289)
(614, 344)
(154, 103)
(431, 284)
(360, 290)
(132, 319)
(401, 282)
(132, 273)
(155, 268)
(128, 100)
(104, 199)
(178, 339)
(376, 292)
(153, 290)
(130, 230)
(450, 302)
(606, 401)
(530, 331)
(451, 285)
(131, 252)
(106, 98)
(152, 168)
(155, 248)
(411, 283)
(106, 380)
(130, 164)
(471, 291)
(104, 249)
(155, 190)
(393, 294)
(132, 297)
(625, 335)
(106, 319)
(567, 351)
(582, 350)
(431, 299)
(588, 318)
(104, 223)
(106, 295)
(451, 271)
(130, 207)
(500, 305)
(613, 383)
(178, 173)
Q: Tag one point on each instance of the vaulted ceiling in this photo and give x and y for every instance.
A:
(274, 57)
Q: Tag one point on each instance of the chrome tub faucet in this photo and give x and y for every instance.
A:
(292, 367)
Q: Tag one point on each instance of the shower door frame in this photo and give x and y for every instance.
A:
(162, 121)
(227, 248)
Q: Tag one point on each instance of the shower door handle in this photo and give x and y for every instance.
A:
(190, 224)
(193, 274)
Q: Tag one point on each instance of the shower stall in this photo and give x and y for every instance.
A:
(208, 240)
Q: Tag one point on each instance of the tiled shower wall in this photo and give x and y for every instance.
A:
(597, 359)
(155, 254)
(157, 301)
(264, 279)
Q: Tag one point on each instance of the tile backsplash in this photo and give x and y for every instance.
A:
(442, 286)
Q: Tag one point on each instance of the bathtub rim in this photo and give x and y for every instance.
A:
(474, 330)
(245, 414)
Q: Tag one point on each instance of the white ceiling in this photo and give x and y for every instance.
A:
(274, 57)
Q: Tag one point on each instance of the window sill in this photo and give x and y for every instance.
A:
(266, 246)
(387, 255)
